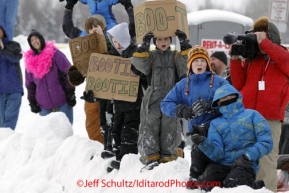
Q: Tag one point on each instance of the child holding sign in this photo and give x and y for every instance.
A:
(158, 133)
(98, 114)
(126, 114)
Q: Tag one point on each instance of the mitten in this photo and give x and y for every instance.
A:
(197, 138)
(71, 99)
(126, 3)
(201, 129)
(89, 96)
(184, 42)
(70, 4)
(182, 111)
(145, 47)
(201, 106)
(243, 162)
(75, 78)
(34, 106)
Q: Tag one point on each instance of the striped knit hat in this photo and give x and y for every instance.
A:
(194, 53)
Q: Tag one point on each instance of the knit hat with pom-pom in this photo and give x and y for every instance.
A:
(194, 53)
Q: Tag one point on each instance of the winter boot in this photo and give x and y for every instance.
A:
(107, 154)
(192, 183)
(115, 164)
(109, 169)
(258, 184)
(150, 165)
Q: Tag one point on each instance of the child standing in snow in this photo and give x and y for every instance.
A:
(163, 67)
(191, 99)
(236, 141)
(126, 114)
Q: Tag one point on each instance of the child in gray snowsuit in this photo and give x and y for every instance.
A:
(163, 67)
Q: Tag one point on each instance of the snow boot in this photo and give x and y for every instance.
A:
(150, 165)
(109, 169)
(258, 184)
(107, 154)
(192, 183)
(115, 164)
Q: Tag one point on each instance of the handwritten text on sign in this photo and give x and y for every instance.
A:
(162, 18)
(82, 47)
(110, 77)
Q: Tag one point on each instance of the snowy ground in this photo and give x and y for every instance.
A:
(47, 155)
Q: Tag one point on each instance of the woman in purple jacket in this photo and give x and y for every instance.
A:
(46, 78)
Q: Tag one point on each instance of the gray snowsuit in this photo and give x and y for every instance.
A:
(158, 133)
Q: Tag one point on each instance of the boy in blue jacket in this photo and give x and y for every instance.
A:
(235, 143)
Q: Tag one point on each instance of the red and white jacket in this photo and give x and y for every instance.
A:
(272, 101)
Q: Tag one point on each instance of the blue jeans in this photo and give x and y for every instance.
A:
(68, 111)
(8, 15)
(9, 109)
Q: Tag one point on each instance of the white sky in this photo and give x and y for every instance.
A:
(46, 155)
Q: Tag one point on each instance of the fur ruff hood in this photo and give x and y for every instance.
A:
(39, 65)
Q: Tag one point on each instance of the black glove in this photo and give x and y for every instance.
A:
(182, 111)
(70, 4)
(75, 78)
(145, 47)
(242, 162)
(126, 3)
(201, 106)
(34, 106)
(71, 99)
(197, 138)
(201, 129)
(184, 42)
(89, 96)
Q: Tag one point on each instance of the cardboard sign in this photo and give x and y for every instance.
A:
(163, 18)
(82, 47)
(110, 77)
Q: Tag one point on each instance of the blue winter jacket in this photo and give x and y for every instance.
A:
(104, 8)
(237, 132)
(10, 71)
(199, 88)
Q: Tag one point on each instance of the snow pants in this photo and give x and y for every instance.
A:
(92, 121)
(158, 133)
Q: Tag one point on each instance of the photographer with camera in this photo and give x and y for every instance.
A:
(262, 79)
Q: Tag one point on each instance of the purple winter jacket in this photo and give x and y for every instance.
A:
(47, 88)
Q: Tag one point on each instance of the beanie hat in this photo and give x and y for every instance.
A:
(41, 38)
(194, 53)
(263, 24)
(198, 52)
(221, 56)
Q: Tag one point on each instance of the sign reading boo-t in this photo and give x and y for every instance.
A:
(162, 17)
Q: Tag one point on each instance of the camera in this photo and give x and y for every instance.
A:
(246, 46)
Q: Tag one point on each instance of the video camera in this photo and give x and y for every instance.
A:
(246, 46)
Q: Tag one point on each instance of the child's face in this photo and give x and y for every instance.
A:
(163, 43)
(96, 29)
(199, 66)
(35, 42)
(117, 46)
(225, 99)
